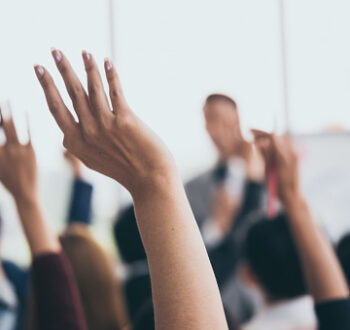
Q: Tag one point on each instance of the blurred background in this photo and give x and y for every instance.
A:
(287, 66)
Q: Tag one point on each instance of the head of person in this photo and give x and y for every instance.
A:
(101, 295)
(272, 262)
(222, 123)
(343, 251)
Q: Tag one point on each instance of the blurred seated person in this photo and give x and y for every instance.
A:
(296, 237)
(100, 291)
(273, 268)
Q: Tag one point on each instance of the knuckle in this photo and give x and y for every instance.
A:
(75, 92)
(114, 92)
(93, 89)
(62, 68)
(54, 106)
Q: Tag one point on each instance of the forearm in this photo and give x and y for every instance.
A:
(39, 238)
(184, 288)
(323, 273)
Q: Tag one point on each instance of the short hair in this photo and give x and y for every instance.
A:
(221, 97)
(343, 251)
(272, 255)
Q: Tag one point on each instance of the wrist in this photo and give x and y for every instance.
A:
(291, 198)
(155, 186)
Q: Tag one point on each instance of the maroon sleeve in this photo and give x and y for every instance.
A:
(57, 300)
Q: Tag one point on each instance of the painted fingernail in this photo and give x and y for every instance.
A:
(39, 70)
(57, 55)
(108, 64)
(86, 56)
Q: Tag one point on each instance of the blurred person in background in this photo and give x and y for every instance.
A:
(224, 196)
(296, 237)
(100, 290)
(56, 300)
(273, 269)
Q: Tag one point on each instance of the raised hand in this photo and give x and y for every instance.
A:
(18, 170)
(280, 151)
(18, 173)
(116, 143)
(112, 141)
(286, 160)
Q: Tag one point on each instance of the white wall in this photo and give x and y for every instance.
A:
(170, 55)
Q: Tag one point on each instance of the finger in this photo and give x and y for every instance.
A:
(74, 87)
(54, 100)
(9, 128)
(260, 134)
(279, 147)
(115, 89)
(29, 143)
(97, 96)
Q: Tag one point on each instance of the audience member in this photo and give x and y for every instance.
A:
(323, 275)
(116, 143)
(56, 296)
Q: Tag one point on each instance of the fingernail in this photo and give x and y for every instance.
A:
(39, 70)
(86, 56)
(57, 55)
(108, 64)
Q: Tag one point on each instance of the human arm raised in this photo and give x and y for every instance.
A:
(114, 142)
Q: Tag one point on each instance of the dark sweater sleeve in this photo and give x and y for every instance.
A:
(333, 315)
(252, 201)
(80, 206)
(57, 300)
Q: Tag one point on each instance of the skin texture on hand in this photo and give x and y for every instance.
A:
(18, 173)
(116, 143)
(324, 276)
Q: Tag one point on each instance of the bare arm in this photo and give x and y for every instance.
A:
(116, 143)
